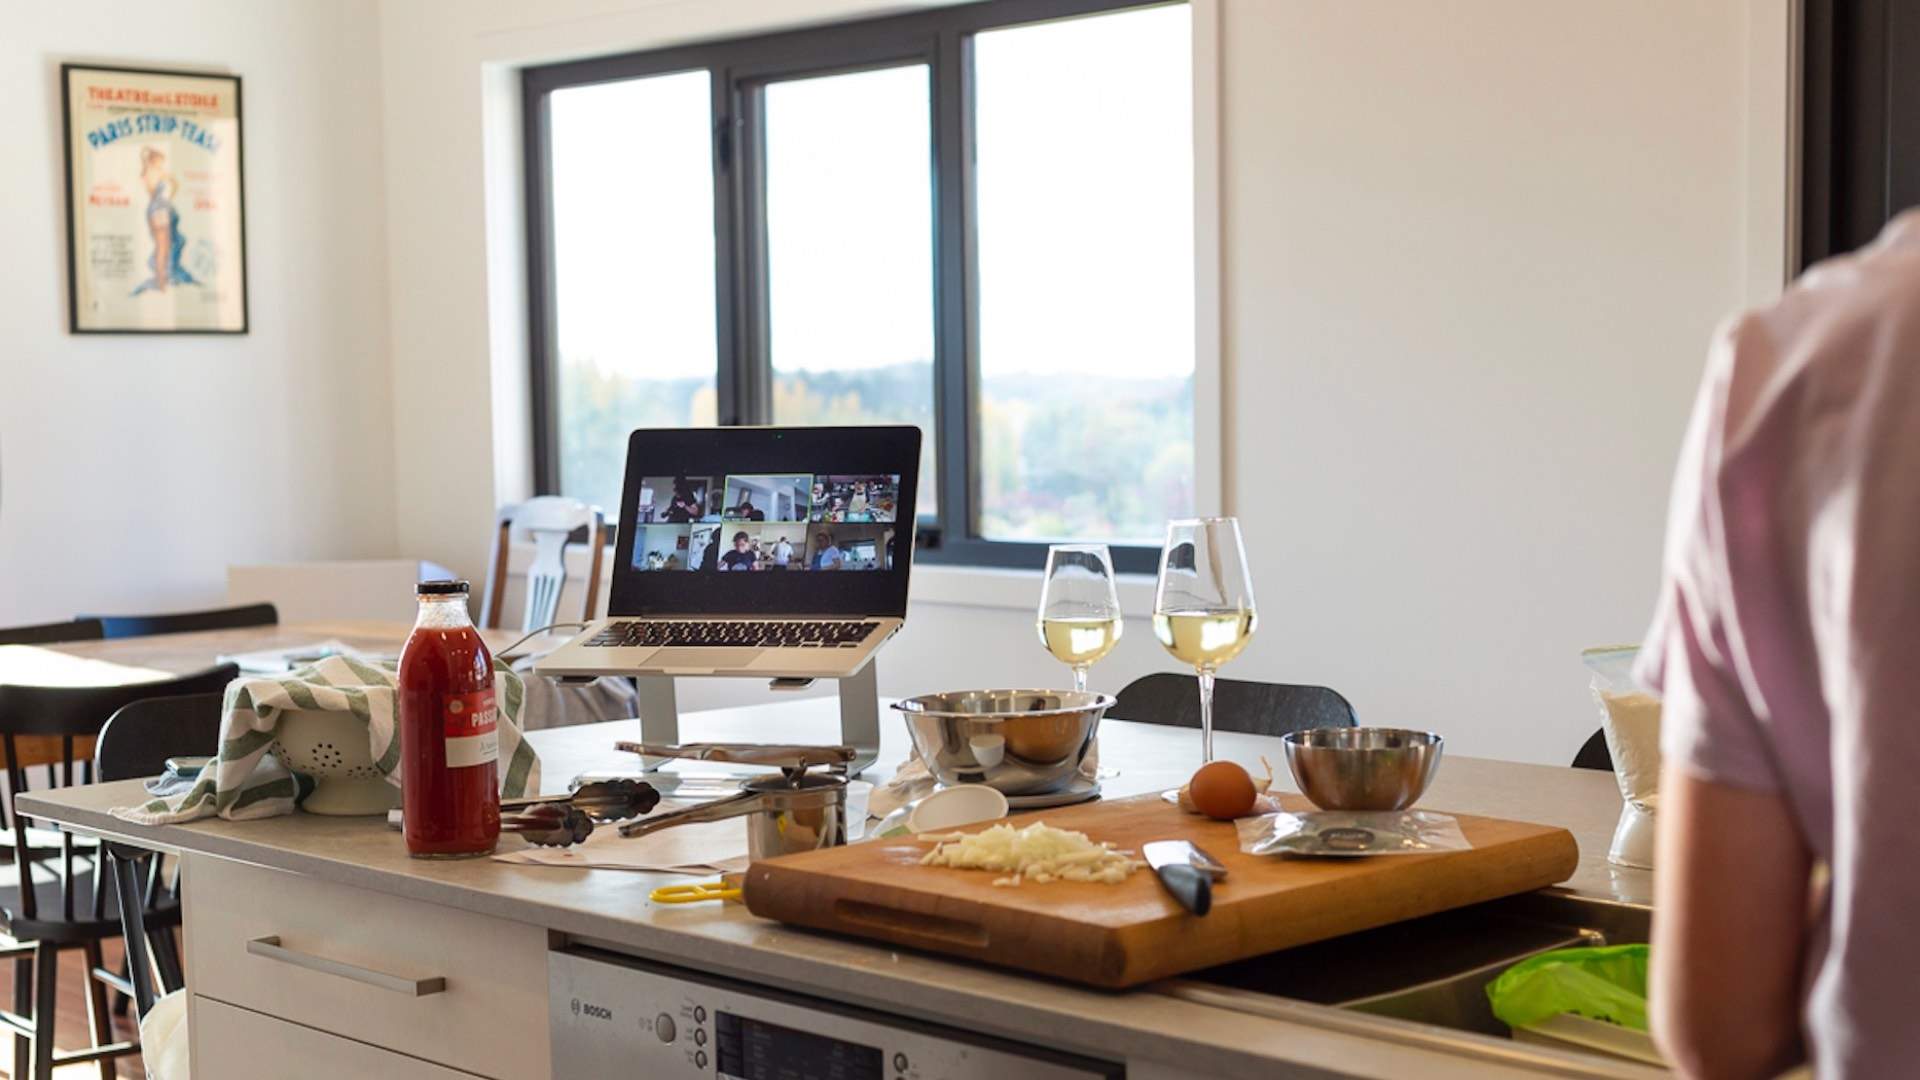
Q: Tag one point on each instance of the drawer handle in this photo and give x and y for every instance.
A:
(270, 948)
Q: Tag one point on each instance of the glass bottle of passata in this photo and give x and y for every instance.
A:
(449, 741)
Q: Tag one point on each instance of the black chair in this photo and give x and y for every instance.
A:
(47, 634)
(51, 633)
(1594, 754)
(1252, 708)
(136, 744)
(54, 914)
(233, 618)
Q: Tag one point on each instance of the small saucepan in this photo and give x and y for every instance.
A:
(787, 812)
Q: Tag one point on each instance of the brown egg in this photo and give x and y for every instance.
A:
(1222, 790)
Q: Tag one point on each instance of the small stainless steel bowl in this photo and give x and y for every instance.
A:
(1362, 768)
(1021, 742)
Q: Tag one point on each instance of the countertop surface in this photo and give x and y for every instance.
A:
(611, 906)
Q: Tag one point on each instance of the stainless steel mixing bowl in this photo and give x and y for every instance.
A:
(1022, 742)
(1362, 768)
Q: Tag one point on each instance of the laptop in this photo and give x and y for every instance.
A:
(755, 551)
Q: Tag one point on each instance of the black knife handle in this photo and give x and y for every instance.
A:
(1188, 885)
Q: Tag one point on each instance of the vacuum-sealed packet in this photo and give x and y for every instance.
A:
(1348, 833)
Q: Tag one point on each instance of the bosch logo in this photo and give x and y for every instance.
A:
(597, 1012)
(576, 1006)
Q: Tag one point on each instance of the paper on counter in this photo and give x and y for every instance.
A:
(708, 847)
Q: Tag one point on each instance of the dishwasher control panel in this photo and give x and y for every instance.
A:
(615, 1016)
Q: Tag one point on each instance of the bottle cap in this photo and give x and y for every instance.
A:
(440, 588)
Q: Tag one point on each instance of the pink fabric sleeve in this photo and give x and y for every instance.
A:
(1691, 658)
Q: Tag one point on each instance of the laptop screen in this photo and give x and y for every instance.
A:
(771, 521)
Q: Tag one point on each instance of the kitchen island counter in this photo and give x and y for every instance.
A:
(1155, 1035)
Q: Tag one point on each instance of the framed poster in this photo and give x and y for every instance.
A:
(156, 219)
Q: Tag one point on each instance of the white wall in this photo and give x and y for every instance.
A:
(1474, 255)
(133, 469)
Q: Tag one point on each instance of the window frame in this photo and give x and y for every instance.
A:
(1859, 114)
(739, 69)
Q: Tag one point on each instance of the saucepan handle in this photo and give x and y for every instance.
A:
(719, 810)
(786, 757)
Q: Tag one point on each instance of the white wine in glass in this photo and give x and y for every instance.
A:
(1203, 609)
(1080, 642)
(1205, 639)
(1079, 620)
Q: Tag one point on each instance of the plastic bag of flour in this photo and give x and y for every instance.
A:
(1630, 717)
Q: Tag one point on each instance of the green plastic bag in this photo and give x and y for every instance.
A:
(1607, 983)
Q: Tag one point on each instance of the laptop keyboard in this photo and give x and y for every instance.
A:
(760, 635)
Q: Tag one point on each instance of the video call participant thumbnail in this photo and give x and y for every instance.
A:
(661, 547)
(850, 547)
(741, 556)
(861, 499)
(780, 554)
(673, 500)
(767, 498)
(764, 547)
(824, 554)
(675, 547)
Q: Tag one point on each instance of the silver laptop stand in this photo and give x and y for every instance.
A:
(859, 715)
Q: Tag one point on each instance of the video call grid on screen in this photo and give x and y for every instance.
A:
(810, 501)
(766, 522)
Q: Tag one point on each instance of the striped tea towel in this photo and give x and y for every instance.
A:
(243, 781)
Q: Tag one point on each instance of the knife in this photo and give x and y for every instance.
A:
(1186, 871)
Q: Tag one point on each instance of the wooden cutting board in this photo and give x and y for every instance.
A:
(1123, 935)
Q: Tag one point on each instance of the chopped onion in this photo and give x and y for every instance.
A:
(1036, 853)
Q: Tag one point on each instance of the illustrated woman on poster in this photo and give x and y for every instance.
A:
(164, 222)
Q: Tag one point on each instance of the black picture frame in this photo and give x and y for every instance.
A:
(78, 321)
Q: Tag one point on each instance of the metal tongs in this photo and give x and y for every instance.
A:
(757, 794)
(564, 820)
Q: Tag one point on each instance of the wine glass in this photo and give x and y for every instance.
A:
(1203, 603)
(1079, 620)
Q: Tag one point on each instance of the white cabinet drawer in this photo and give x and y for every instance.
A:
(449, 986)
(228, 1041)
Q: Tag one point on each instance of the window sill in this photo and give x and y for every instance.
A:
(1011, 590)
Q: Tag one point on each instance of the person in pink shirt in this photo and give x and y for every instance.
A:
(1786, 650)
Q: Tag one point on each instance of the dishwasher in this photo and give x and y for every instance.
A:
(618, 1016)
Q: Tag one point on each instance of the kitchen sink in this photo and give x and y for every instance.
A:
(1427, 978)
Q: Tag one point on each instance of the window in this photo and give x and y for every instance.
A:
(978, 220)
(850, 254)
(1086, 277)
(633, 271)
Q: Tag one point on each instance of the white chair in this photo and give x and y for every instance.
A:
(547, 522)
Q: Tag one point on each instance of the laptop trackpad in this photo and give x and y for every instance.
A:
(691, 658)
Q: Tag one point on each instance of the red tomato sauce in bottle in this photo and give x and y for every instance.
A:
(449, 738)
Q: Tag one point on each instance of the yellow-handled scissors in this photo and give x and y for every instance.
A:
(695, 893)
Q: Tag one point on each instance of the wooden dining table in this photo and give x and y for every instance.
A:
(158, 657)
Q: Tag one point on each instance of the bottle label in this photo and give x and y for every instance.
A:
(472, 726)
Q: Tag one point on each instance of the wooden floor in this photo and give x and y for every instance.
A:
(70, 1032)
